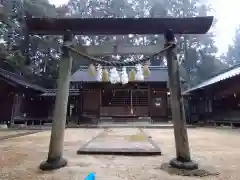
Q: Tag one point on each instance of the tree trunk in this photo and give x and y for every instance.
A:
(183, 159)
(55, 159)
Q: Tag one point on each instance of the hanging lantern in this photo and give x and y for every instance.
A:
(146, 71)
(113, 76)
(118, 78)
(91, 70)
(131, 75)
(99, 73)
(131, 110)
(105, 77)
(139, 74)
(124, 76)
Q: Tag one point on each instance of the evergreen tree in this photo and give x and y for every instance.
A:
(44, 50)
(233, 54)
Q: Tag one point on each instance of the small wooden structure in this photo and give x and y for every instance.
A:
(216, 100)
(16, 91)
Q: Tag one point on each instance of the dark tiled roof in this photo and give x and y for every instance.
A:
(20, 80)
(52, 92)
(158, 74)
(232, 72)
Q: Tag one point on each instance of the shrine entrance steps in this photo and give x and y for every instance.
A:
(124, 119)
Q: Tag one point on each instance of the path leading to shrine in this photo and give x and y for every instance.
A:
(218, 148)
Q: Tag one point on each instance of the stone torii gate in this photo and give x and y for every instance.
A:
(117, 26)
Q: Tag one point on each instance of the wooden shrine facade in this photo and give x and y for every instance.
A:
(101, 101)
(216, 100)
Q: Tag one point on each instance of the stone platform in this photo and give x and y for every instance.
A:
(128, 142)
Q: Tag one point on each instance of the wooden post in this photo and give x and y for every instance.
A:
(16, 110)
(100, 104)
(13, 110)
(149, 101)
(55, 159)
(183, 159)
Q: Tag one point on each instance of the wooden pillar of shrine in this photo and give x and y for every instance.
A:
(16, 108)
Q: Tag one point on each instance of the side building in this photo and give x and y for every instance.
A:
(217, 100)
(16, 93)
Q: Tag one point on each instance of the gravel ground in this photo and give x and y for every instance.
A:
(217, 148)
(6, 133)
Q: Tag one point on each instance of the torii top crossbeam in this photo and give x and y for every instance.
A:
(118, 26)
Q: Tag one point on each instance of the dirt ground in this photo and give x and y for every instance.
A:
(5, 133)
(217, 148)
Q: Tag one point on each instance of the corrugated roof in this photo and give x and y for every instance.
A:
(158, 74)
(220, 77)
(20, 80)
(52, 92)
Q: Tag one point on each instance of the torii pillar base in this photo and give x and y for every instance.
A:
(189, 165)
(52, 164)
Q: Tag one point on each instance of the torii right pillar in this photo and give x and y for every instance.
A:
(183, 157)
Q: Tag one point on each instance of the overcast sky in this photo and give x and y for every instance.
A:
(227, 20)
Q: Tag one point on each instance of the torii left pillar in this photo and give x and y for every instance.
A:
(55, 158)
